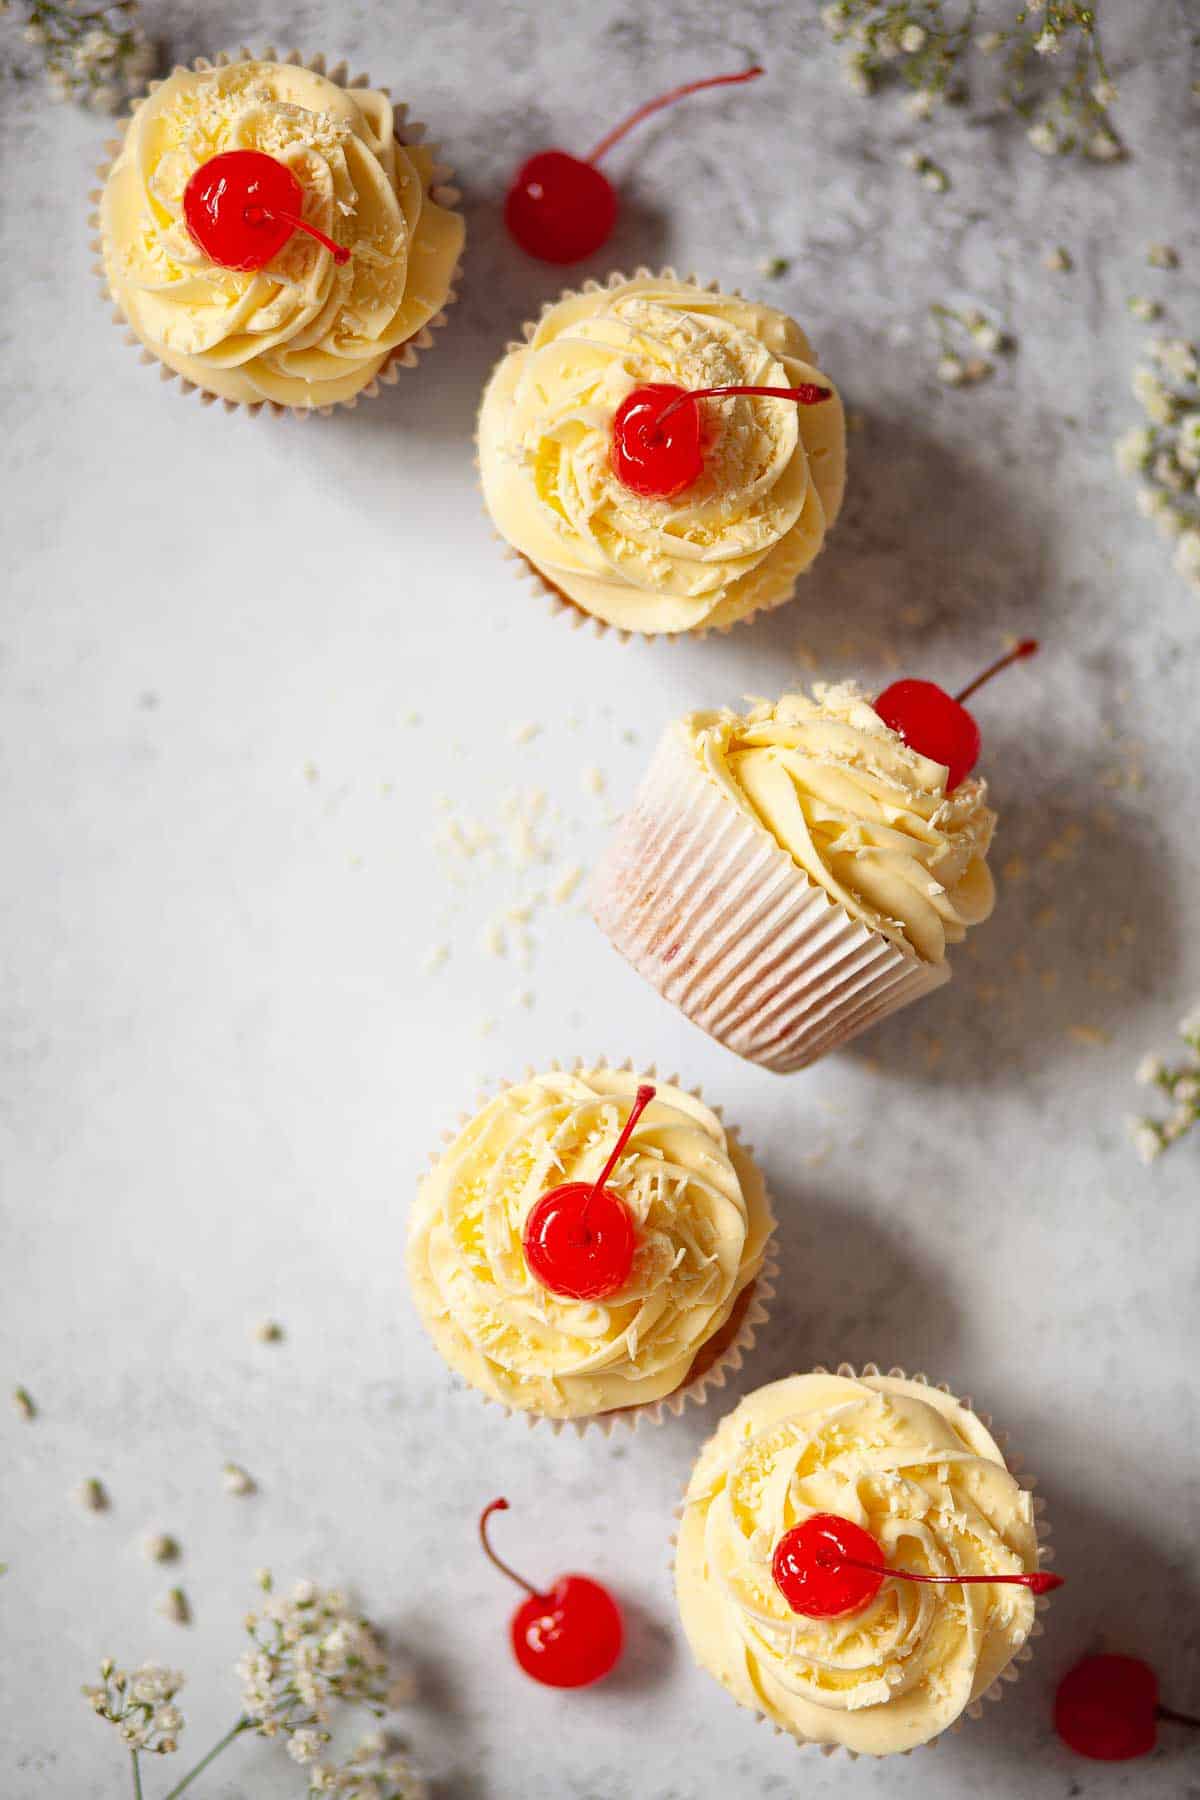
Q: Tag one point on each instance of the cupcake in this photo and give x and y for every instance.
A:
(768, 482)
(789, 876)
(314, 326)
(644, 1293)
(880, 1462)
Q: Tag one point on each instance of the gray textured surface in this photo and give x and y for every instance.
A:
(222, 1064)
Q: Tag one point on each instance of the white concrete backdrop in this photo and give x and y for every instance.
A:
(241, 660)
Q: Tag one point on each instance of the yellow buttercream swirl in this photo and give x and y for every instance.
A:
(303, 331)
(702, 1220)
(917, 1470)
(861, 813)
(732, 543)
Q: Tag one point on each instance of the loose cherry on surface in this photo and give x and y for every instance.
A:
(937, 724)
(1107, 1707)
(827, 1566)
(567, 1637)
(242, 206)
(657, 436)
(560, 208)
(579, 1238)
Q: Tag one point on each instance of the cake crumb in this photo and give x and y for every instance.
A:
(160, 1547)
(525, 734)
(437, 958)
(1088, 1034)
(93, 1495)
(593, 780)
(22, 1401)
(566, 884)
(174, 1606)
(268, 1331)
(236, 1480)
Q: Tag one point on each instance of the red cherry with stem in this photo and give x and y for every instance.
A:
(579, 1238)
(560, 208)
(937, 724)
(567, 1637)
(814, 1572)
(242, 206)
(828, 1566)
(657, 436)
(1107, 1707)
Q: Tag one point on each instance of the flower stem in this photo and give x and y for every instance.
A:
(242, 1725)
(137, 1775)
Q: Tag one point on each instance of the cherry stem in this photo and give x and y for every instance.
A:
(339, 252)
(1177, 1718)
(1039, 1582)
(808, 394)
(653, 106)
(645, 1095)
(504, 1568)
(1027, 647)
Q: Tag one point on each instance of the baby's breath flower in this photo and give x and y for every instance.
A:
(1044, 138)
(1177, 357)
(1134, 449)
(913, 38)
(236, 1480)
(1180, 1082)
(990, 41)
(1187, 556)
(96, 53)
(1144, 309)
(1047, 43)
(140, 1705)
(952, 371)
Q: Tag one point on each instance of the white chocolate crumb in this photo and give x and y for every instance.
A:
(236, 1480)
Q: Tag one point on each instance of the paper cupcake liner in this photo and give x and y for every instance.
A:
(736, 1338)
(705, 904)
(561, 603)
(403, 356)
(1011, 1673)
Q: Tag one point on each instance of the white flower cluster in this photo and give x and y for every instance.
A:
(310, 1651)
(378, 1770)
(141, 1705)
(956, 369)
(1165, 453)
(97, 53)
(927, 45)
(1180, 1084)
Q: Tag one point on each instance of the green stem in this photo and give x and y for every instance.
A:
(137, 1775)
(242, 1725)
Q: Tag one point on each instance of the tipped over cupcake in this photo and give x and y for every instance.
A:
(792, 875)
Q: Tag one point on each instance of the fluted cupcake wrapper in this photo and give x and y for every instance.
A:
(753, 1302)
(705, 904)
(1011, 1673)
(560, 602)
(403, 356)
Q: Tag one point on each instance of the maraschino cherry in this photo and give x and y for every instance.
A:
(658, 438)
(579, 1238)
(560, 208)
(568, 1636)
(242, 206)
(1107, 1707)
(828, 1566)
(937, 724)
